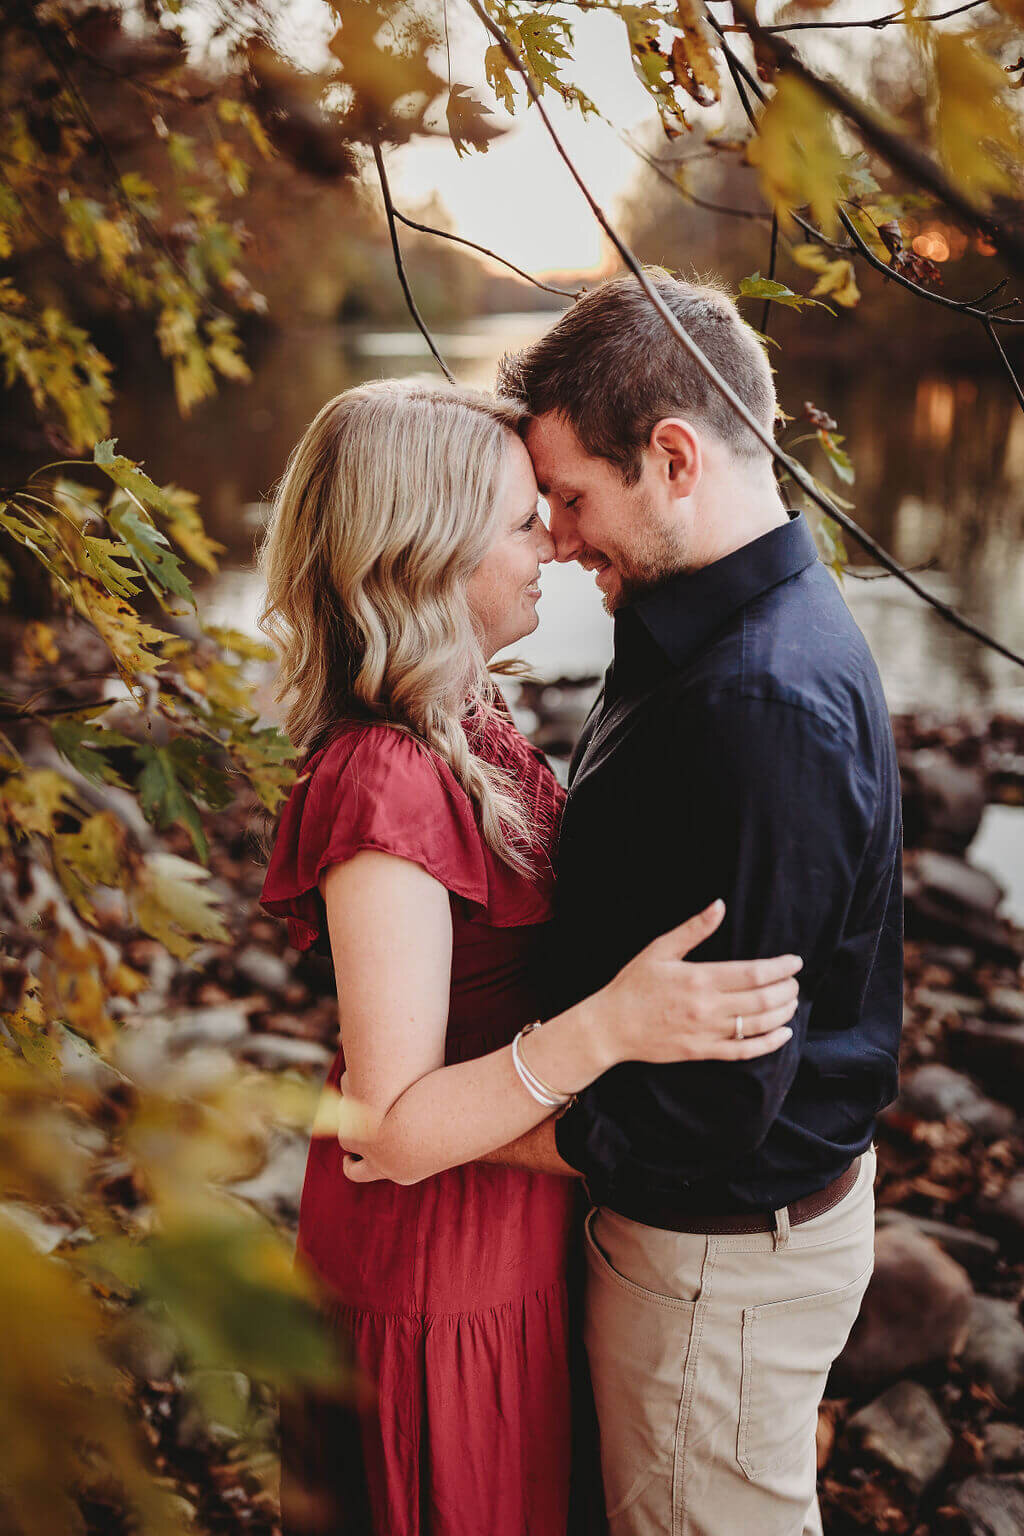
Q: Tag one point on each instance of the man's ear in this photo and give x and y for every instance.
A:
(677, 450)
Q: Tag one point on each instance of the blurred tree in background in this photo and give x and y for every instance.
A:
(141, 145)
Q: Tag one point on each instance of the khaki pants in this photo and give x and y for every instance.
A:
(709, 1357)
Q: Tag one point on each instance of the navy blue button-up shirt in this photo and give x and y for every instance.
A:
(741, 748)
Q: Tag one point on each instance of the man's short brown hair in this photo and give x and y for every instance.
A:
(612, 368)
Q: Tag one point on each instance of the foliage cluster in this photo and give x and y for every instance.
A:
(123, 713)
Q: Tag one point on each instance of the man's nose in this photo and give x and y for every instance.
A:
(565, 540)
(545, 545)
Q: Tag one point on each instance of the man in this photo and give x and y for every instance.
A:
(741, 748)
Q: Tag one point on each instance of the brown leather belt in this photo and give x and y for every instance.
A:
(804, 1209)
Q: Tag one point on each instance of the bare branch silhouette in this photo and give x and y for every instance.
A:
(389, 209)
(802, 477)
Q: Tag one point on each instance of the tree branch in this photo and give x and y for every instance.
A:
(892, 19)
(389, 209)
(740, 74)
(898, 152)
(444, 234)
(795, 469)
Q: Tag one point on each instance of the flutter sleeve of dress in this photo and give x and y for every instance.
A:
(371, 787)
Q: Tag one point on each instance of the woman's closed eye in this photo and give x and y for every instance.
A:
(531, 523)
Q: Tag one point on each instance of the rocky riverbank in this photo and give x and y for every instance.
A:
(921, 1428)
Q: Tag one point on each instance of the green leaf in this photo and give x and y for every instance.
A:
(758, 287)
(85, 746)
(151, 550)
(163, 798)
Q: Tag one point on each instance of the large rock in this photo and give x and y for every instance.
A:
(261, 969)
(915, 1312)
(1004, 1216)
(905, 1429)
(275, 1052)
(976, 1251)
(952, 901)
(994, 1506)
(1003, 1447)
(943, 801)
(994, 1351)
(937, 1092)
(992, 1051)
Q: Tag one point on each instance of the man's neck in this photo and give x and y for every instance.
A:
(732, 517)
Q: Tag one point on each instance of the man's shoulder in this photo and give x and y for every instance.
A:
(797, 653)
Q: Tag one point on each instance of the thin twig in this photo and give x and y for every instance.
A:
(757, 214)
(444, 234)
(893, 19)
(773, 252)
(796, 469)
(389, 209)
(1000, 352)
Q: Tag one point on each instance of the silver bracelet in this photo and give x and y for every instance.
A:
(538, 1090)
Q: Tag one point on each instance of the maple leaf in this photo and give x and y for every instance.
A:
(170, 903)
(797, 155)
(152, 553)
(470, 124)
(693, 66)
(978, 136)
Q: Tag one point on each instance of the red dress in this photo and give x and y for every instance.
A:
(453, 1290)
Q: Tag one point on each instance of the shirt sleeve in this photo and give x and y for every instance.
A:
(376, 789)
(763, 803)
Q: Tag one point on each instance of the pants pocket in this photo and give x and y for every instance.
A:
(638, 1343)
(788, 1349)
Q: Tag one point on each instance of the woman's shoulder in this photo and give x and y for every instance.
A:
(371, 786)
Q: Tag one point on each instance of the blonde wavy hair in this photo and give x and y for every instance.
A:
(386, 508)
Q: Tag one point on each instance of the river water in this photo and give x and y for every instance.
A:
(940, 482)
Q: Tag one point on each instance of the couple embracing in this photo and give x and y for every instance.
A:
(654, 1017)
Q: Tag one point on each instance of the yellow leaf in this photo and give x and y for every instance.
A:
(692, 63)
(171, 904)
(34, 797)
(39, 645)
(127, 636)
(797, 154)
(974, 124)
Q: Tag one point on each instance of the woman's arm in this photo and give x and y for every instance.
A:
(391, 940)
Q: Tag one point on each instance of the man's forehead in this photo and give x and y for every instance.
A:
(555, 450)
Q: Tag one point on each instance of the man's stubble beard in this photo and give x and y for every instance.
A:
(657, 558)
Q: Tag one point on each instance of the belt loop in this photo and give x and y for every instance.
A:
(780, 1237)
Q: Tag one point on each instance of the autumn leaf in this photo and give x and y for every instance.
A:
(171, 903)
(836, 276)
(758, 287)
(151, 551)
(85, 746)
(164, 799)
(470, 124)
(496, 71)
(797, 155)
(978, 136)
(693, 66)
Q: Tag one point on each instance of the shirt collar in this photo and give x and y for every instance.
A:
(681, 614)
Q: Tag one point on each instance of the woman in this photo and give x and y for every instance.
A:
(417, 848)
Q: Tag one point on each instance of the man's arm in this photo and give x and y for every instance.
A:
(535, 1152)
